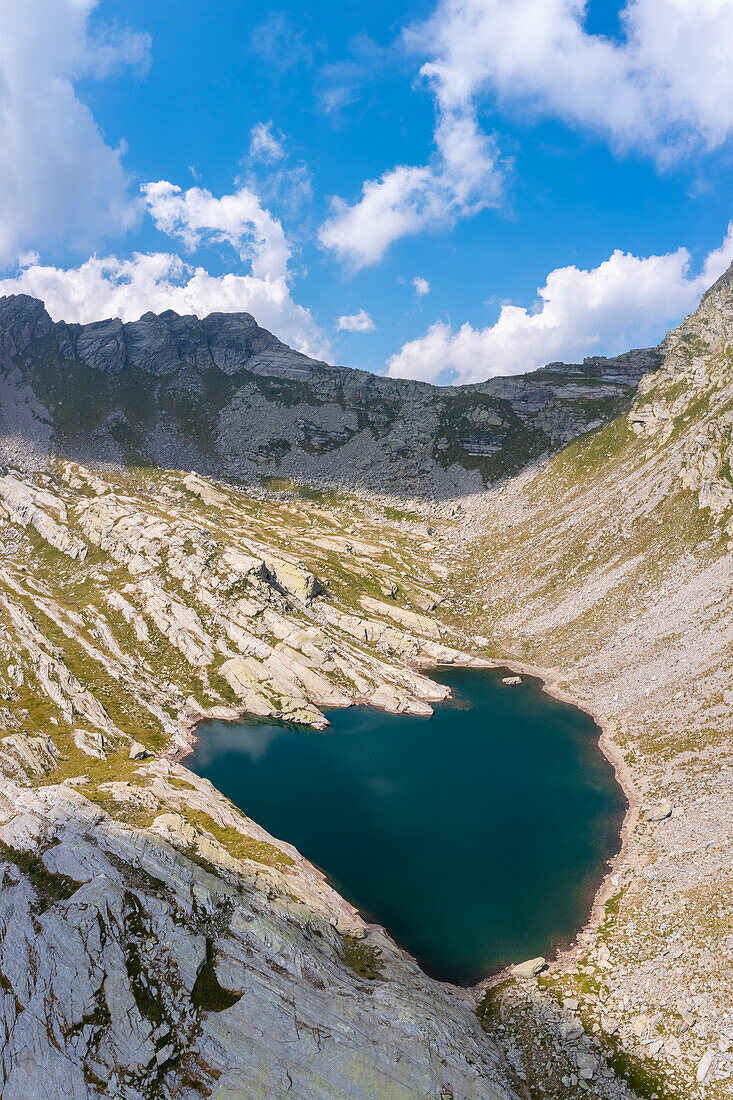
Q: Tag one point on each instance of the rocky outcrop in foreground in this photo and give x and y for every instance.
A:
(193, 960)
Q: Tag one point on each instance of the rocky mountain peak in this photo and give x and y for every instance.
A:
(712, 321)
(22, 320)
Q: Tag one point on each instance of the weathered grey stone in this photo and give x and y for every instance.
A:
(529, 969)
(138, 751)
(659, 813)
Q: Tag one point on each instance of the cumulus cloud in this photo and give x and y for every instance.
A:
(665, 87)
(196, 217)
(263, 145)
(356, 322)
(59, 180)
(463, 176)
(127, 288)
(111, 286)
(626, 301)
(422, 286)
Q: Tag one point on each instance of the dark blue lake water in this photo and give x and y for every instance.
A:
(476, 837)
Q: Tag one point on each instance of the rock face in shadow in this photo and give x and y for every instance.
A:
(226, 397)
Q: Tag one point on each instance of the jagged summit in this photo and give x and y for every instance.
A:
(223, 395)
(723, 284)
(156, 343)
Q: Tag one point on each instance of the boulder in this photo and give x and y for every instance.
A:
(294, 578)
(587, 1065)
(138, 751)
(705, 1066)
(530, 968)
(658, 813)
(206, 492)
(672, 1048)
(420, 624)
(511, 681)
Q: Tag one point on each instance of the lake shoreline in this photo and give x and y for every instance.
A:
(564, 950)
(565, 955)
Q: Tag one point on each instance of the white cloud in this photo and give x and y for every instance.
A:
(263, 145)
(627, 301)
(422, 286)
(111, 286)
(59, 181)
(665, 88)
(195, 216)
(127, 288)
(270, 173)
(463, 176)
(356, 322)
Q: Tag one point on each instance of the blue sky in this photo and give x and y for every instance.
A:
(512, 145)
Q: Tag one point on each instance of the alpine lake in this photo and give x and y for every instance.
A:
(476, 837)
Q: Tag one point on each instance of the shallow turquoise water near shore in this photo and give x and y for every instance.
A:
(476, 837)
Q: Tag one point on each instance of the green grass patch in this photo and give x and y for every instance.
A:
(50, 887)
(361, 958)
(208, 995)
(238, 845)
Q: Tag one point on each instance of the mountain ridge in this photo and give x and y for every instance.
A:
(232, 400)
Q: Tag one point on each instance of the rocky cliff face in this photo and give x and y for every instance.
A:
(225, 397)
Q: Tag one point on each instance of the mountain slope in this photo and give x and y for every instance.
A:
(225, 397)
(613, 566)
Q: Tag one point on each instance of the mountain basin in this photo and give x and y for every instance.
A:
(477, 837)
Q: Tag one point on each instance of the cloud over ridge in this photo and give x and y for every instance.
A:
(622, 303)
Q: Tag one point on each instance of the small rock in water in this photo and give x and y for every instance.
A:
(511, 681)
(529, 969)
(658, 813)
